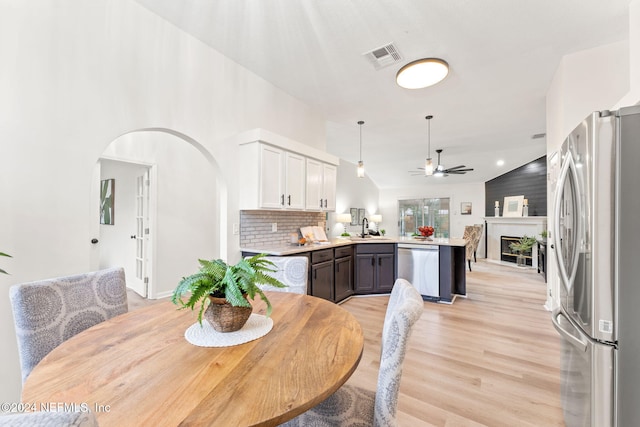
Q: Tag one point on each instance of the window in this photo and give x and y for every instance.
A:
(414, 213)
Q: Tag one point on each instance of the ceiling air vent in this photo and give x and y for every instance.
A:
(384, 56)
(538, 135)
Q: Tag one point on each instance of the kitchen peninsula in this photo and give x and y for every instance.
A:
(363, 266)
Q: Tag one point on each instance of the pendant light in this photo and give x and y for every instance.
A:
(360, 170)
(428, 164)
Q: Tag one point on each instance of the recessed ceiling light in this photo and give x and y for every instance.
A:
(422, 73)
(500, 163)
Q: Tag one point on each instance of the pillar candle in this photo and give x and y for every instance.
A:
(526, 202)
(497, 205)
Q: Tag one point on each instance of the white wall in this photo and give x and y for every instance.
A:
(75, 75)
(457, 193)
(606, 77)
(353, 192)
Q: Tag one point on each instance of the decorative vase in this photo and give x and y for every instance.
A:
(521, 260)
(225, 317)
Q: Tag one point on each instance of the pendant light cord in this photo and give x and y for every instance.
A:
(360, 123)
(429, 134)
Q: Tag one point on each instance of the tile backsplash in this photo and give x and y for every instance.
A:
(256, 226)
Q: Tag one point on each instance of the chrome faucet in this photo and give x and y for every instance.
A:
(363, 221)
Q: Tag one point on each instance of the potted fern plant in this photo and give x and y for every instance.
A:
(223, 291)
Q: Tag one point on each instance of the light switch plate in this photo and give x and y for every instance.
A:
(274, 227)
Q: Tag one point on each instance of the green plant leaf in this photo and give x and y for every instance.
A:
(232, 281)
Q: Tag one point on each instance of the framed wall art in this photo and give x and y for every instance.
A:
(107, 201)
(512, 206)
(361, 215)
(465, 208)
(354, 216)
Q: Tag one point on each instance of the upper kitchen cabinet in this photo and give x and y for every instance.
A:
(283, 174)
(321, 186)
(279, 178)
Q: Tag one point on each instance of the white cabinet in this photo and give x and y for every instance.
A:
(272, 178)
(294, 181)
(329, 181)
(321, 186)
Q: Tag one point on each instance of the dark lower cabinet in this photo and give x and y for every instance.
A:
(321, 274)
(375, 268)
(343, 273)
(322, 280)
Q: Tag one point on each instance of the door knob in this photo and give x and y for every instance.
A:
(133, 237)
(94, 241)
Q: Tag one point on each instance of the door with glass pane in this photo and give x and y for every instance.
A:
(139, 283)
(414, 213)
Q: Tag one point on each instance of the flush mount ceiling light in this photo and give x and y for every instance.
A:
(422, 73)
(360, 170)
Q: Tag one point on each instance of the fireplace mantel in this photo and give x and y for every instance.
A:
(512, 226)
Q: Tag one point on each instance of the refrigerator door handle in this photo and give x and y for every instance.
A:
(567, 166)
(577, 342)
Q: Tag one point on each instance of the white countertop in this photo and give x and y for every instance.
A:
(337, 242)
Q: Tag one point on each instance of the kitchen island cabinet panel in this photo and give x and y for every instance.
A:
(453, 277)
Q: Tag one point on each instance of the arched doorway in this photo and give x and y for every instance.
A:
(187, 207)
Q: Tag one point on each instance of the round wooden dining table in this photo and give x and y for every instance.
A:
(138, 369)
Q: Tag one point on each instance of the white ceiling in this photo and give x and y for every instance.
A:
(502, 53)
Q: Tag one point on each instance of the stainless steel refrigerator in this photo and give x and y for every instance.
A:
(596, 232)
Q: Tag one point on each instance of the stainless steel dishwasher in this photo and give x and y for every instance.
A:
(419, 264)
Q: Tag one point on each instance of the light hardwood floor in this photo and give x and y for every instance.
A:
(491, 359)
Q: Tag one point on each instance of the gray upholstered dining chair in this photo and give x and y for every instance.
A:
(48, 312)
(292, 271)
(49, 419)
(355, 406)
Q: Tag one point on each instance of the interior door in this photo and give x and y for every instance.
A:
(139, 282)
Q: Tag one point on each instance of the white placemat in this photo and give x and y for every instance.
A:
(205, 336)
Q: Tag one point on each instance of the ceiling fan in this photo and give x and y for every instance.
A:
(455, 170)
(440, 170)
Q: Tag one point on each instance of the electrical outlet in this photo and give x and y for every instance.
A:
(236, 229)
(274, 227)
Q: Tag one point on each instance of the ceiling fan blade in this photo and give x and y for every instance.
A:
(456, 167)
(459, 170)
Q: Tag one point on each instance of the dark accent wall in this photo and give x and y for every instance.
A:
(530, 180)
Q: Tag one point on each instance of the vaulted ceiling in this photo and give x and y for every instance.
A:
(502, 53)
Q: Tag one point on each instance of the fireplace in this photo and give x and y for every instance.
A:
(511, 226)
(509, 255)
